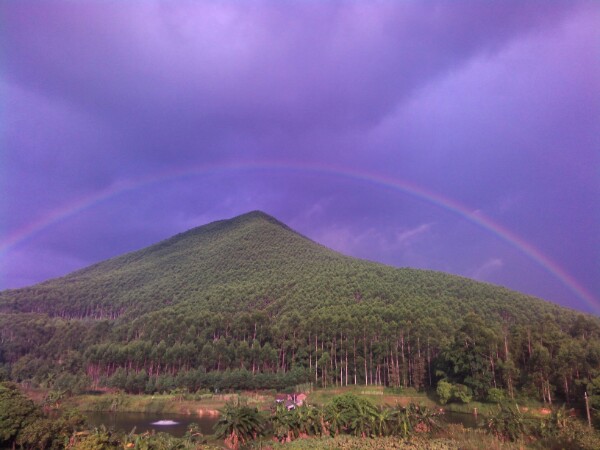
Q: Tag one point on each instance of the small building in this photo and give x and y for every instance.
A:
(291, 400)
(300, 399)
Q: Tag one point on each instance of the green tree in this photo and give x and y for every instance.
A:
(444, 391)
(470, 359)
(17, 413)
(239, 424)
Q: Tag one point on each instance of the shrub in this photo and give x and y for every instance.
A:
(495, 395)
(462, 393)
(453, 392)
(444, 391)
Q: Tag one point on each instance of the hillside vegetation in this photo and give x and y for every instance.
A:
(255, 263)
(249, 303)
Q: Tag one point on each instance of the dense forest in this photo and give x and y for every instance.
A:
(248, 303)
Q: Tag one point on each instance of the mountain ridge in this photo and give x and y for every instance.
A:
(228, 256)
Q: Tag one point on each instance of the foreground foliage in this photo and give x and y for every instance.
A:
(23, 424)
(347, 422)
(239, 424)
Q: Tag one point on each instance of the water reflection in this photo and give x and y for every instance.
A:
(165, 423)
(174, 424)
(177, 424)
(467, 420)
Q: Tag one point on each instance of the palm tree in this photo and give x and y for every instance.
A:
(286, 423)
(383, 419)
(424, 419)
(352, 414)
(508, 423)
(238, 424)
(310, 419)
(402, 423)
(335, 420)
(362, 418)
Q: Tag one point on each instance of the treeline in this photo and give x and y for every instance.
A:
(197, 380)
(553, 359)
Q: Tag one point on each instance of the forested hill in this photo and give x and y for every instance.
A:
(255, 263)
(249, 303)
(229, 263)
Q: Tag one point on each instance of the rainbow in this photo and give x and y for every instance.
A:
(80, 204)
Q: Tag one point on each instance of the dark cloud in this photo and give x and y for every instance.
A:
(494, 105)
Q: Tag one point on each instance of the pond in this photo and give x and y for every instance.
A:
(466, 419)
(175, 424)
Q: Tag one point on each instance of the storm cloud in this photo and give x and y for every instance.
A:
(206, 110)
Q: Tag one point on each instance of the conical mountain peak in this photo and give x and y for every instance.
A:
(249, 262)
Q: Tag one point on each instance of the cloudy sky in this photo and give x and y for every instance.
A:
(458, 136)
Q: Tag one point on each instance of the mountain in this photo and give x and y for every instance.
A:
(252, 262)
(249, 302)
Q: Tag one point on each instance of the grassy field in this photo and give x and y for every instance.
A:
(205, 404)
(381, 396)
(376, 394)
(528, 407)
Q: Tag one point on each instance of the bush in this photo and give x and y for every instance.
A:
(462, 393)
(444, 391)
(22, 423)
(495, 395)
(453, 392)
(509, 424)
(17, 413)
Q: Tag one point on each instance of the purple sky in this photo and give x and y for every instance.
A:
(206, 110)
